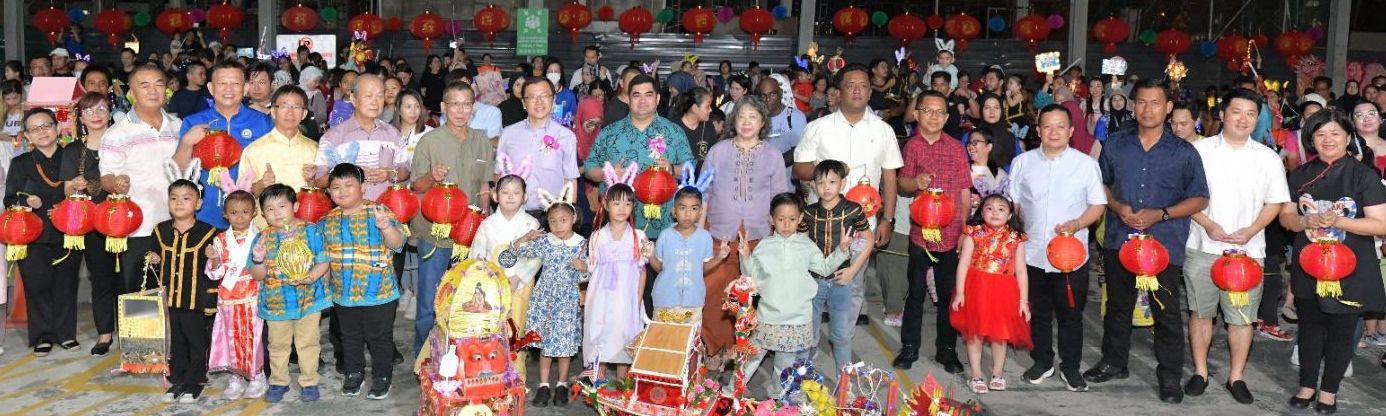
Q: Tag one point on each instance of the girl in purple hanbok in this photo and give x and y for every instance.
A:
(614, 307)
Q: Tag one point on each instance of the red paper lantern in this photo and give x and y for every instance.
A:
(402, 202)
(224, 17)
(218, 152)
(74, 217)
(19, 226)
(574, 17)
(1292, 44)
(299, 18)
(116, 218)
(865, 195)
(465, 231)
(394, 23)
(52, 22)
(850, 20)
(757, 21)
(1110, 31)
(1145, 257)
(1032, 29)
(366, 22)
(1233, 49)
(1172, 41)
(1066, 252)
(935, 22)
(1328, 261)
(700, 21)
(932, 210)
(1237, 274)
(114, 23)
(906, 27)
(489, 20)
(635, 21)
(173, 21)
(654, 187)
(606, 13)
(426, 26)
(962, 27)
(313, 204)
(443, 205)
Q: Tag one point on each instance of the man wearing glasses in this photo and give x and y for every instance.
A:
(550, 148)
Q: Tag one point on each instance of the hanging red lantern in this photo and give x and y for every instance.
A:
(906, 27)
(1329, 261)
(1110, 31)
(1066, 252)
(52, 22)
(443, 205)
(700, 21)
(574, 17)
(1032, 29)
(394, 23)
(962, 27)
(1237, 274)
(426, 26)
(19, 226)
(850, 20)
(218, 152)
(313, 204)
(402, 202)
(491, 19)
(635, 21)
(1234, 49)
(465, 231)
(74, 217)
(935, 22)
(1172, 42)
(932, 210)
(173, 21)
(224, 17)
(606, 13)
(757, 21)
(367, 23)
(654, 187)
(867, 196)
(1145, 257)
(114, 23)
(1292, 44)
(299, 18)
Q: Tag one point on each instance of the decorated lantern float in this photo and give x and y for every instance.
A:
(465, 366)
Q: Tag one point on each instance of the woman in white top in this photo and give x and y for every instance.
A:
(411, 119)
(987, 177)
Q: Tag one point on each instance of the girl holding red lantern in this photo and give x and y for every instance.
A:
(1343, 202)
(51, 289)
(81, 163)
(996, 280)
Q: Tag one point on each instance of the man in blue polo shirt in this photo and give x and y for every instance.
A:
(229, 114)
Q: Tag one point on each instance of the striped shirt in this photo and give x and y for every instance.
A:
(362, 266)
(134, 148)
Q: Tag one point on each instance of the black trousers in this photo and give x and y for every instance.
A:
(50, 292)
(1049, 297)
(368, 327)
(132, 263)
(190, 340)
(1272, 285)
(1323, 338)
(1169, 319)
(945, 274)
(105, 283)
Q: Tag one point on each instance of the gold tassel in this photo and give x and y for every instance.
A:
(653, 211)
(16, 252)
(441, 231)
(1147, 282)
(214, 176)
(460, 252)
(74, 242)
(1334, 289)
(116, 245)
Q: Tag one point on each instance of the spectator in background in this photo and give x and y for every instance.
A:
(512, 108)
(591, 63)
(60, 58)
(342, 108)
(565, 102)
(431, 84)
(258, 86)
(193, 97)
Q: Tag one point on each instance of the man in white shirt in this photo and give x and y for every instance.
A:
(1246, 187)
(1057, 190)
(591, 61)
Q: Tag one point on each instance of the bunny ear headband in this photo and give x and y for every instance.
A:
(650, 68)
(507, 166)
(901, 55)
(566, 196)
(802, 62)
(690, 179)
(81, 57)
(192, 173)
(944, 45)
(610, 174)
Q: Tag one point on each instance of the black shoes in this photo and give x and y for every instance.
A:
(863, 320)
(1171, 393)
(70, 344)
(542, 395)
(906, 358)
(1105, 373)
(398, 358)
(1299, 403)
(101, 349)
(560, 395)
(1038, 373)
(1196, 385)
(380, 389)
(1073, 380)
(352, 385)
(1325, 409)
(1240, 392)
(949, 360)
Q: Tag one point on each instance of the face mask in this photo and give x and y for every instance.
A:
(554, 78)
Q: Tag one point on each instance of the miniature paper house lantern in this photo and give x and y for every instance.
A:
(663, 359)
(58, 94)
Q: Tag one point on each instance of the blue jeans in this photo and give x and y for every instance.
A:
(428, 277)
(843, 303)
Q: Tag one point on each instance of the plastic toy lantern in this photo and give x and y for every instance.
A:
(1237, 274)
(1329, 261)
(1066, 253)
(932, 210)
(465, 231)
(74, 217)
(313, 204)
(116, 218)
(218, 153)
(19, 226)
(1144, 256)
(654, 187)
(402, 202)
(443, 205)
(866, 196)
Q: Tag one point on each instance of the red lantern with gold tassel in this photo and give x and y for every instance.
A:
(850, 20)
(635, 21)
(19, 226)
(1110, 31)
(426, 26)
(932, 210)
(116, 218)
(489, 20)
(654, 187)
(225, 17)
(218, 152)
(443, 205)
(465, 231)
(74, 217)
(173, 21)
(700, 21)
(906, 28)
(1237, 274)
(313, 204)
(865, 195)
(1145, 257)
(757, 21)
(402, 202)
(367, 23)
(1329, 261)
(962, 27)
(1066, 253)
(114, 23)
(1032, 29)
(574, 16)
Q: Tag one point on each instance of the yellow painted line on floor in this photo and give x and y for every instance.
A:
(80, 381)
(158, 407)
(46, 365)
(22, 361)
(23, 391)
(90, 409)
(903, 378)
(257, 406)
(230, 407)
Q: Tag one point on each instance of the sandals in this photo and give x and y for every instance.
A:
(997, 383)
(978, 385)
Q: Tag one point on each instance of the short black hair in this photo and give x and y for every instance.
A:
(243, 196)
(717, 115)
(1185, 105)
(593, 48)
(994, 70)
(228, 65)
(931, 93)
(642, 79)
(852, 67)
(786, 198)
(277, 191)
(1147, 84)
(184, 183)
(346, 171)
(689, 192)
(289, 89)
(457, 75)
(95, 69)
(828, 166)
(1052, 108)
(259, 67)
(532, 80)
(947, 77)
(1243, 94)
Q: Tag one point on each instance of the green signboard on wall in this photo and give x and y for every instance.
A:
(532, 36)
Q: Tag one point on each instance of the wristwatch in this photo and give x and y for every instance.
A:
(1164, 214)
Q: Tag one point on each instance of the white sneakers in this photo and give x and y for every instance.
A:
(409, 303)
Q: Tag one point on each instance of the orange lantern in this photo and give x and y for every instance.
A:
(402, 202)
(757, 21)
(1032, 29)
(1145, 257)
(313, 204)
(299, 18)
(635, 21)
(465, 231)
(865, 195)
(1110, 31)
(114, 23)
(574, 17)
(218, 152)
(52, 22)
(74, 217)
(850, 20)
(443, 205)
(367, 23)
(173, 21)
(932, 210)
(426, 26)
(1172, 41)
(19, 226)
(1066, 253)
(906, 27)
(490, 20)
(962, 27)
(654, 187)
(1237, 274)
(1329, 261)
(225, 17)
(699, 20)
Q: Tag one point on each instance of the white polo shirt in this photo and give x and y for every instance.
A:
(865, 148)
(1241, 181)
(132, 147)
(1050, 192)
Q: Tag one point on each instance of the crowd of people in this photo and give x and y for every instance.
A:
(549, 154)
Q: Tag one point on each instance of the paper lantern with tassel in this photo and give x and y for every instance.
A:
(74, 217)
(402, 202)
(443, 205)
(1329, 262)
(932, 210)
(491, 19)
(114, 23)
(1237, 274)
(700, 21)
(299, 18)
(756, 21)
(464, 232)
(313, 204)
(850, 20)
(52, 22)
(224, 18)
(1066, 253)
(634, 22)
(654, 187)
(865, 195)
(218, 152)
(426, 26)
(19, 226)
(574, 16)
(1145, 257)
(962, 27)
(116, 218)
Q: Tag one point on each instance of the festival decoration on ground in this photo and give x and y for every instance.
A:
(1032, 29)
(699, 21)
(426, 26)
(225, 17)
(906, 28)
(115, 23)
(860, 389)
(851, 21)
(867, 196)
(962, 27)
(52, 22)
(218, 152)
(491, 19)
(299, 18)
(117, 217)
(930, 399)
(740, 293)
(173, 21)
(313, 204)
(574, 16)
(1066, 253)
(365, 26)
(636, 21)
(74, 217)
(19, 226)
(1172, 42)
(465, 365)
(1109, 31)
(1237, 274)
(654, 187)
(1145, 257)
(464, 232)
(1328, 261)
(443, 205)
(402, 202)
(664, 357)
(756, 21)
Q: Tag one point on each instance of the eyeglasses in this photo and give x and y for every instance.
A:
(95, 110)
(40, 127)
(538, 98)
(1366, 115)
(464, 104)
(977, 142)
(289, 107)
(938, 112)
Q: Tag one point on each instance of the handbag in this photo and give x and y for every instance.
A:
(143, 328)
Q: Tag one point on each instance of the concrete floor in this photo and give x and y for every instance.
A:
(73, 383)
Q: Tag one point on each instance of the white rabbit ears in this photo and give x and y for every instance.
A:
(944, 45)
(506, 166)
(610, 177)
(689, 178)
(192, 173)
(566, 196)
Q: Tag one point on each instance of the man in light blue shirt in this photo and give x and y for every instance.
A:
(228, 114)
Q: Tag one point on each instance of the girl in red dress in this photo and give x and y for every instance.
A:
(990, 302)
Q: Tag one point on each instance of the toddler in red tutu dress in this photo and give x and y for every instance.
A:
(990, 302)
